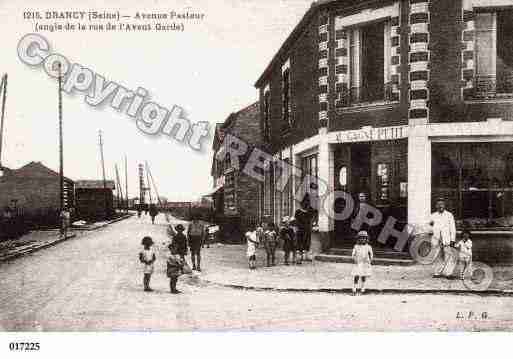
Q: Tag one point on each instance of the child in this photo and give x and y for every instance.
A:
(147, 257)
(362, 256)
(174, 268)
(287, 236)
(465, 252)
(180, 242)
(253, 240)
(270, 243)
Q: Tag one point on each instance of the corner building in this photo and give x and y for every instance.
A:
(405, 100)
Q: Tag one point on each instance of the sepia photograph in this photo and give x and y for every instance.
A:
(229, 166)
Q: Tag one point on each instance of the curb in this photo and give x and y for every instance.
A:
(11, 257)
(102, 225)
(491, 292)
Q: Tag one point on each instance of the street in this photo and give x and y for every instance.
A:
(94, 283)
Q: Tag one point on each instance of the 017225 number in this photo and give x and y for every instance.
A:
(24, 346)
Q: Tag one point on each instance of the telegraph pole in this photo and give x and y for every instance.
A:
(103, 173)
(126, 183)
(61, 142)
(3, 90)
(119, 191)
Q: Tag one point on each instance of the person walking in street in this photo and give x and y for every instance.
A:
(153, 212)
(65, 218)
(252, 240)
(464, 246)
(287, 238)
(303, 219)
(196, 235)
(147, 258)
(444, 234)
(270, 244)
(180, 242)
(174, 268)
(362, 256)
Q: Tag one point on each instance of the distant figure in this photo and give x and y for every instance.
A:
(252, 239)
(196, 235)
(288, 239)
(153, 212)
(147, 257)
(174, 268)
(139, 211)
(303, 218)
(362, 256)
(270, 244)
(65, 218)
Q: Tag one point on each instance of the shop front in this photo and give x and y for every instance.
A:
(374, 173)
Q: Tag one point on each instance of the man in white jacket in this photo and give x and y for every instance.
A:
(444, 234)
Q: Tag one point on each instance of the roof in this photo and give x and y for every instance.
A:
(300, 27)
(34, 170)
(94, 184)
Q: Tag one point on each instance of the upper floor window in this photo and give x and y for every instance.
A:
(494, 53)
(286, 96)
(369, 54)
(267, 114)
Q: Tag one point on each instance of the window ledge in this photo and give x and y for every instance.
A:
(368, 106)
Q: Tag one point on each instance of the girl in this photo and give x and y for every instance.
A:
(465, 252)
(174, 269)
(270, 243)
(287, 236)
(252, 239)
(147, 257)
(362, 256)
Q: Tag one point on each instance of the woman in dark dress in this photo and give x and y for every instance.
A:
(303, 218)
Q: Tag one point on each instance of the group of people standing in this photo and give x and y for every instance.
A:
(294, 236)
(182, 241)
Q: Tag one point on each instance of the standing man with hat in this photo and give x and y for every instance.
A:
(444, 234)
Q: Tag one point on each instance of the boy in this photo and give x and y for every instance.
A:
(147, 257)
(287, 236)
(465, 252)
(180, 242)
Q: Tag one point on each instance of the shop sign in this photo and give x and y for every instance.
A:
(367, 134)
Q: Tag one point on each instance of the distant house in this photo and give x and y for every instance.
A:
(94, 199)
(34, 189)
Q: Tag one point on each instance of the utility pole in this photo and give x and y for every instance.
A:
(119, 191)
(141, 186)
(3, 90)
(103, 174)
(126, 183)
(61, 143)
(149, 185)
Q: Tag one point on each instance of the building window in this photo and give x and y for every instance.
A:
(383, 183)
(268, 191)
(477, 181)
(267, 114)
(369, 53)
(494, 53)
(287, 194)
(230, 193)
(287, 111)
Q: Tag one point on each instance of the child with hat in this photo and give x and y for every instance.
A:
(174, 268)
(147, 257)
(180, 242)
(362, 257)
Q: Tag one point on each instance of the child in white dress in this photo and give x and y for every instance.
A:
(147, 258)
(362, 257)
(252, 239)
(465, 252)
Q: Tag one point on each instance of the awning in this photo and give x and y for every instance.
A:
(215, 190)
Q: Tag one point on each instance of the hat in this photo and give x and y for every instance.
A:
(147, 241)
(285, 219)
(363, 234)
(180, 228)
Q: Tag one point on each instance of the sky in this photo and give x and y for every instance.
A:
(209, 70)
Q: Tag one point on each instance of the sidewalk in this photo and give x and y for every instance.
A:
(36, 240)
(226, 265)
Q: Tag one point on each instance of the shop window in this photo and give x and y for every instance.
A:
(383, 183)
(477, 181)
(369, 54)
(268, 191)
(309, 167)
(494, 53)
